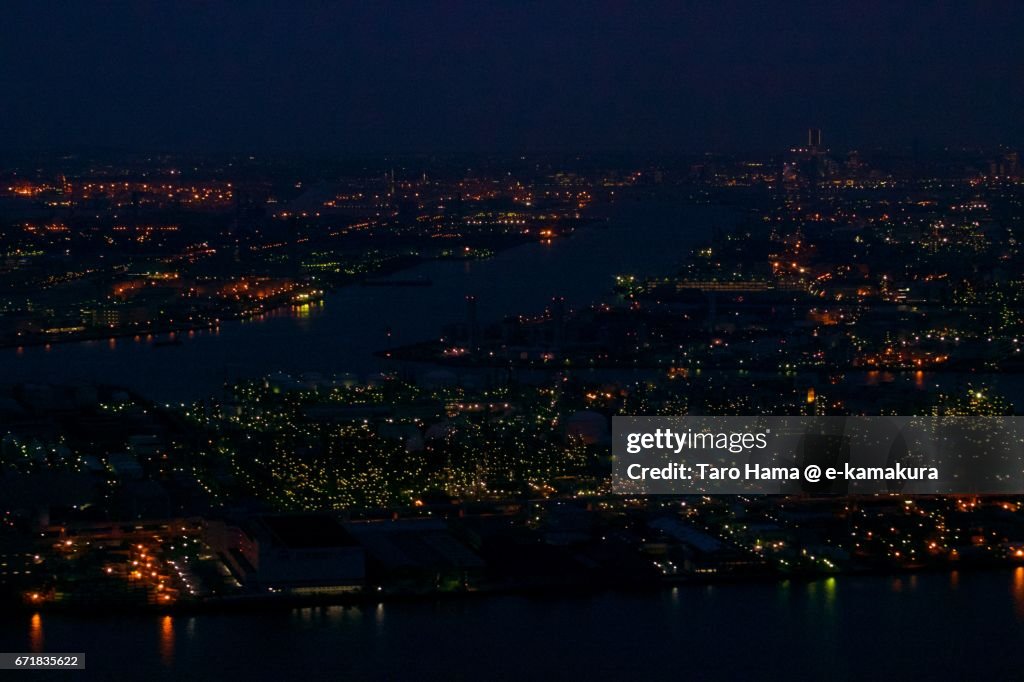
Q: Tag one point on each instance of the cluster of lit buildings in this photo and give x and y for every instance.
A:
(853, 285)
(159, 245)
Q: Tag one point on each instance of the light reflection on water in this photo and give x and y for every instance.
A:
(833, 618)
(830, 590)
(1018, 591)
(167, 640)
(35, 633)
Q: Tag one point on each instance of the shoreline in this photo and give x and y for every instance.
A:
(408, 263)
(569, 588)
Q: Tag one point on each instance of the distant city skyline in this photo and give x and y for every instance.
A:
(313, 77)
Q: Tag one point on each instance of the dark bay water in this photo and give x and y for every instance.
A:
(647, 236)
(340, 336)
(945, 626)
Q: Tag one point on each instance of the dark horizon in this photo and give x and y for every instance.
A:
(660, 77)
(930, 150)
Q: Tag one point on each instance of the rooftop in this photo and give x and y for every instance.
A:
(304, 531)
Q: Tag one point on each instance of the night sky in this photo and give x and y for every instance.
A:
(516, 76)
